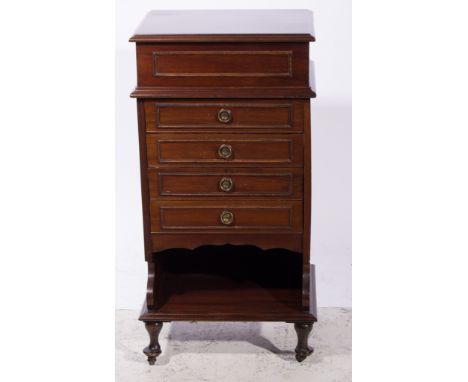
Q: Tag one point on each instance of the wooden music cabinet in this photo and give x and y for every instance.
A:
(224, 127)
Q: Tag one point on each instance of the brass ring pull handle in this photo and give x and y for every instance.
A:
(225, 151)
(226, 184)
(226, 217)
(225, 116)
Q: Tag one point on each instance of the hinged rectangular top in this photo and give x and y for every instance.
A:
(226, 25)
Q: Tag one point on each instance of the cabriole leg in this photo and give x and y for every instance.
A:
(153, 349)
(302, 349)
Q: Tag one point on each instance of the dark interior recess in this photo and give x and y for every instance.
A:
(229, 279)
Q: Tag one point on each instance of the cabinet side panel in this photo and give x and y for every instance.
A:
(144, 179)
(307, 208)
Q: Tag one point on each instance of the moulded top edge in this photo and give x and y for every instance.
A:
(223, 38)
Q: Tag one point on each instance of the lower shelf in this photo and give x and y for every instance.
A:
(228, 283)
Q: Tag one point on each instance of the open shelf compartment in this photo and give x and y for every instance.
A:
(229, 282)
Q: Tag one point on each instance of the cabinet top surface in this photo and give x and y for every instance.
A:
(294, 24)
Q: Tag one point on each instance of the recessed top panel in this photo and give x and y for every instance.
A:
(226, 24)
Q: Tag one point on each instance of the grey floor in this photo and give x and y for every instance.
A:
(235, 352)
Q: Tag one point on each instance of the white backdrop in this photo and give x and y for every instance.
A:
(331, 147)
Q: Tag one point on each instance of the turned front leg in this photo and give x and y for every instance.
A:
(153, 349)
(302, 349)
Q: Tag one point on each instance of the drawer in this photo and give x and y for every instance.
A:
(241, 115)
(226, 216)
(225, 183)
(223, 64)
(224, 149)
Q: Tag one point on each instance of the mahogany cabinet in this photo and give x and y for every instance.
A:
(223, 103)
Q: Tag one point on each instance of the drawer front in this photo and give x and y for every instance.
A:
(192, 182)
(213, 64)
(257, 182)
(224, 149)
(228, 216)
(224, 115)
